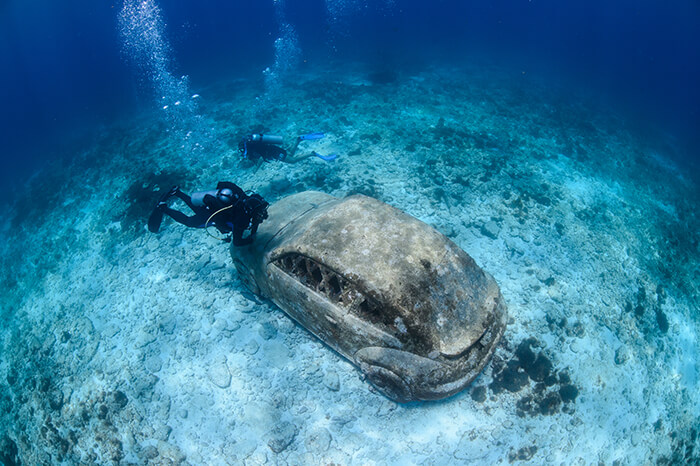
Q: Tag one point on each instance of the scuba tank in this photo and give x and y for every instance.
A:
(225, 195)
(266, 138)
(198, 197)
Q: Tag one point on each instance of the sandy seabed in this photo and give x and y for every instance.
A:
(121, 346)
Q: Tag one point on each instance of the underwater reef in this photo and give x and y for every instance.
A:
(126, 347)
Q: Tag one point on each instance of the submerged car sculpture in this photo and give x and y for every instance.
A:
(401, 301)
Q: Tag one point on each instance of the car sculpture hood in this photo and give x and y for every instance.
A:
(401, 301)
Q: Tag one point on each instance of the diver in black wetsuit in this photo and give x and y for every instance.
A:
(263, 146)
(266, 147)
(228, 208)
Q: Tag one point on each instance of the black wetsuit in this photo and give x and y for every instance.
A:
(235, 219)
(255, 150)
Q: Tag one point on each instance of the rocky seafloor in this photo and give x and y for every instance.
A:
(125, 347)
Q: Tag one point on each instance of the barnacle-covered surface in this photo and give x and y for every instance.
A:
(366, 277)
(338, 290)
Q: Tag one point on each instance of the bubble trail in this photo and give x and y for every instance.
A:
(287, 52)
(142, 31)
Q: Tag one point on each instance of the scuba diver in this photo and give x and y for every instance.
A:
(255, 147)
(228, 208)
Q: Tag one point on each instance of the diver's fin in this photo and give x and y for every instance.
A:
(311, 136)
(156, 217)
(327, 158)
(155, 220)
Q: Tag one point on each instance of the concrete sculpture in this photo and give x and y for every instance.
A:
(395, 297)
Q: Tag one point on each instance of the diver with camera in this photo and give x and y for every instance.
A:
(228, 208)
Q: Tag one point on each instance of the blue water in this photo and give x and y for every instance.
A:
(555, 142)
(64, 69)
